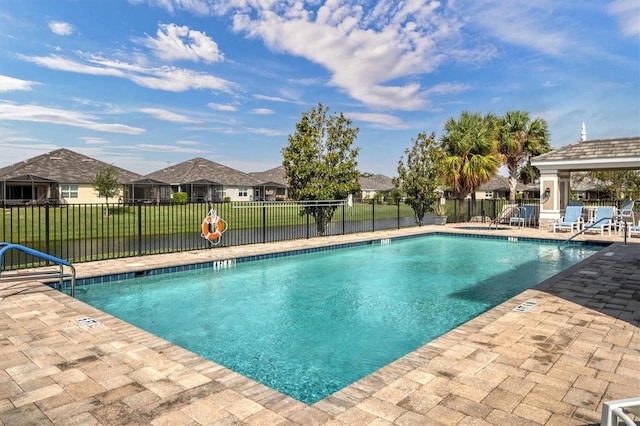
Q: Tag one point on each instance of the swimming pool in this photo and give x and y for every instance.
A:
(310, 324)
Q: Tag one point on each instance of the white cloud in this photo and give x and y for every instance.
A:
(266, 132)
(94, 141)
(198, 7)
(385, 120)
(520, 22)
(305, 81)
(262, 111)
(220, 107)
(166, 148)
(174, 43)
(8, 84)
(35, 113)
(628, 13)
(372, 55)
(447, 89)
(61, 28)
(165, 78)
(271, 98)
(164, 115)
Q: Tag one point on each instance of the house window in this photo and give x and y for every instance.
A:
(69, 191)
(488, 194)
(243, 192)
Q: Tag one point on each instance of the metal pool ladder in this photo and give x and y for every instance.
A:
(60, 274)
(616, 218)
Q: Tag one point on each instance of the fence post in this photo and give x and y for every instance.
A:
(373, 215)
(398, 216)
(264, 222)
(343, 219)
(139, 228)
(456, 205)
(46, 228)
(307, 226)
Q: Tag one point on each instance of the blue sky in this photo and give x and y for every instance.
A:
(143, 84)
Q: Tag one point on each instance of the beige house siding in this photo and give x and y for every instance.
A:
(239, 193)
(86, 195)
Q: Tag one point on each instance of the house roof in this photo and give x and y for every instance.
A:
(501, 183)
(379, 182)
(597, 154)
(200, 170)
(272, 176)
(376, 183)
(61, 165)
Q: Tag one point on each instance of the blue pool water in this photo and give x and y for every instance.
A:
(310, 324)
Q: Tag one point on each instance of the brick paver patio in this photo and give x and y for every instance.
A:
(553, 364)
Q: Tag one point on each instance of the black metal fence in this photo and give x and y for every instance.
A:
(88, 232)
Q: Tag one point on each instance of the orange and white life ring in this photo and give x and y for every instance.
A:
(212, 228)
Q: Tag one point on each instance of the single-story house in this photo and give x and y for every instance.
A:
(207, 181)
(274, 184)
(63, 176)
(498, 188)
(370, 186)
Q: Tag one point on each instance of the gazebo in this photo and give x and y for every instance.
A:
(587, 155)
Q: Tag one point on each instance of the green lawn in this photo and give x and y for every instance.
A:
(29, 224)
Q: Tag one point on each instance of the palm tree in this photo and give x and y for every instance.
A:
(519, 139)
(472, 156)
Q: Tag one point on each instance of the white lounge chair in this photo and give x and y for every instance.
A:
(572, 219)
(626, 212)
(617, 412)
(635, 230)
(603, 220)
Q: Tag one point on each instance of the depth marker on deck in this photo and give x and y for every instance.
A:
(88, 322)
(526, 306)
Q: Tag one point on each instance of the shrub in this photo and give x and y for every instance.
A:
(227, 199)
(179, 198)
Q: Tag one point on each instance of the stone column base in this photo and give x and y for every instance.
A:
(546, 224)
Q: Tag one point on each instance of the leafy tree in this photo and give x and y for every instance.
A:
(471, 152)
(320, 163)
(528, 173)
(107, 183)
(519, 139)
(421, 178)
(612, 184)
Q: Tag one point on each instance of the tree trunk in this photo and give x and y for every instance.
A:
(513, 182)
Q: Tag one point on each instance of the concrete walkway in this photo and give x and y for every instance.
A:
(553, 364)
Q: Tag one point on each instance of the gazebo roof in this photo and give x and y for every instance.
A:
(597, 154)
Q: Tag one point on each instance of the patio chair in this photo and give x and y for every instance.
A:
(635, 230)
(626, 212)
(519, 217)
(524, 216)
(603, 220)
(572, 219)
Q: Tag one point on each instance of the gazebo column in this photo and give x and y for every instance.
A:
(554, 196)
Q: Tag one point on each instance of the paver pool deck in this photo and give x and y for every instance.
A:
(553, 364)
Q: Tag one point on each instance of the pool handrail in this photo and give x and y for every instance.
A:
(614, 217)
(4, 247)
